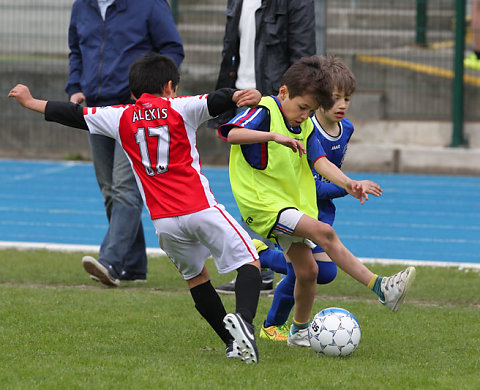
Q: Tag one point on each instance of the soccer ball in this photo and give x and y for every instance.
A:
(334, 332)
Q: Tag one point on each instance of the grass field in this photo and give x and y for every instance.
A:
(59, 330)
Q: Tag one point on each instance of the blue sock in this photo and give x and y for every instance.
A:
(273, 259)
(283, 301)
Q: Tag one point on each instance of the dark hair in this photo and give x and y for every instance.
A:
(309, 76)
(343, 78)
(150, 72)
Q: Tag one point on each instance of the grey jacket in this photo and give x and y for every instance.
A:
(285, 32)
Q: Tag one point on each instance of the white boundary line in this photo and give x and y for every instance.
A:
(426, 263)
(64, 247)
(159, 252)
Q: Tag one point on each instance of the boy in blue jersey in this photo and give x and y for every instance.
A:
(275, 189)
(334, 132)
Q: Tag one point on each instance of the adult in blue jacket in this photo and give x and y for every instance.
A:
(105, 37)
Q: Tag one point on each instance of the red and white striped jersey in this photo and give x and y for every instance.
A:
(159, 138)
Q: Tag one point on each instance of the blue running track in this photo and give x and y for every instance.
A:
(418, 217)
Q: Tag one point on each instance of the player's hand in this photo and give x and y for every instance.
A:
(291, 143)
(25, 98)
(77, 98)
(22, 94)
(247, 97)
(371, 187)
(356, 189)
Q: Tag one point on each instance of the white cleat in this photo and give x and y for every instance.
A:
(298, 339)
(395, 288)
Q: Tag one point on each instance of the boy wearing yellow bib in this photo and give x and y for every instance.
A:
(275, 189)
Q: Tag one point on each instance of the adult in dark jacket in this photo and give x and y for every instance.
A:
(262, 39)
(105, 37)
(284, 33)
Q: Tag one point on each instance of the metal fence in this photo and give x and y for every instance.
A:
(401, 51)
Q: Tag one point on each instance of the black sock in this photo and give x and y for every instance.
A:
(247, 291)
(210, 306)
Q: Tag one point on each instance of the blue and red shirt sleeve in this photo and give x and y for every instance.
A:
(257, 118)
(252, 118)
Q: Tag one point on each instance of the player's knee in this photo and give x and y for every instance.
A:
(307, 273)
(326, 236)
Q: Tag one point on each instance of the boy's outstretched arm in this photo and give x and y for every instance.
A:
(65, 113)
(329, 170)
(332, 191)
(25, 98)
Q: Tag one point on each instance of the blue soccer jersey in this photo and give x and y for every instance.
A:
(335, 149)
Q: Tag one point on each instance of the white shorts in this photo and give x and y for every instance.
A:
(283, 230)
(188, 240)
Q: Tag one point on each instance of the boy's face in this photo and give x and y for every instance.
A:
(340, 107)
(298, 109)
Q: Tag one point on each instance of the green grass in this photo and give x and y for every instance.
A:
(59, 330)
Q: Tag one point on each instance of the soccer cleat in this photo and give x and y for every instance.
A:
(127, 276)
(244, 335)
(229, 288)
(97, 269)
(274, 333)
(232, 350)
(267, 285)
(472, 62)
(395, 287)
(260, 246)
(299, 338)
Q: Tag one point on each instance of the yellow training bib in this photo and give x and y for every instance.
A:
(286, 181)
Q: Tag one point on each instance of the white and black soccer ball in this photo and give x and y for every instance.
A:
(334, 332)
